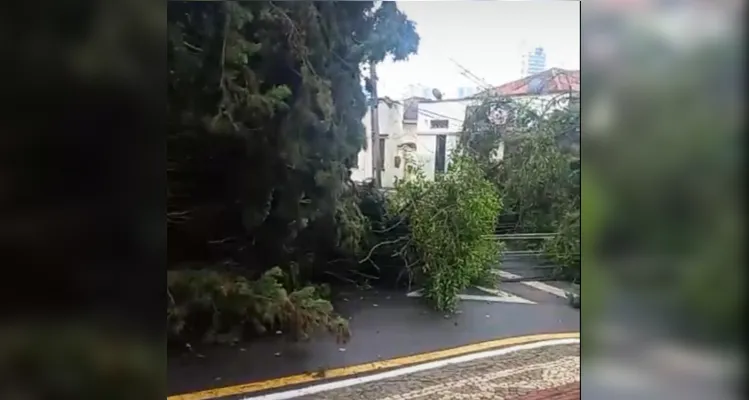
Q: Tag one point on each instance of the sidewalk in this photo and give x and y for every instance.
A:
(522, 372)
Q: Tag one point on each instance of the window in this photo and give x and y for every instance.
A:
(439, 159)
(438, 124)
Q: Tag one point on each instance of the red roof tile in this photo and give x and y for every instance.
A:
(554, 80)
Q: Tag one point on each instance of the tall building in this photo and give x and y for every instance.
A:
(533, 62)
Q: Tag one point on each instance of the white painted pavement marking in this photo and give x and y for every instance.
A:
(534, 284)
(498, 296)
(290, 394)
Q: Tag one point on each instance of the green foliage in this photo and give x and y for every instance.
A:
(265, 109)
(388, 258)
(539, 174)
(449, 221)
(564, 249)
(679, 204)
(215, 306)
(352, 225)
(534, 173)
(535, 180)
(265, 112)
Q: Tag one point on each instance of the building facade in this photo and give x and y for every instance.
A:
(423, 132)
(533, 62)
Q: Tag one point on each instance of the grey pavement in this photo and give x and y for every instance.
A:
(510, 375)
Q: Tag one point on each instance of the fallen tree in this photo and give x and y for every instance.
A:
(440, 231)
(265, 108)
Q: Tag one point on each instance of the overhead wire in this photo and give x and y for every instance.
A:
(427, 113)
(435, 115)
(471, 76)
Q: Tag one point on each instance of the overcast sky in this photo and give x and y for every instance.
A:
(486, 37)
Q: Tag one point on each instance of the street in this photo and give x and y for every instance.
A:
(385, 325)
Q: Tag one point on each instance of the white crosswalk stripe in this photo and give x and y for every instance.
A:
(494, 296)
(534, 284)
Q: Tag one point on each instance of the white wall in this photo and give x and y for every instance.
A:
(390, 118)
(452, 110)
(426, 151)
(425, 154)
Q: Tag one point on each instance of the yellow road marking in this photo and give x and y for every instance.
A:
(367, 367)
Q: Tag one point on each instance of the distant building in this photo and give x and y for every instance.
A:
(419, 90)
(427, 92)
(464, 92)
(533, 62)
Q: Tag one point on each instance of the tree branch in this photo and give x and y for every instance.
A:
(378, 245)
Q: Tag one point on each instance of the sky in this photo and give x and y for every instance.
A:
(485, 36)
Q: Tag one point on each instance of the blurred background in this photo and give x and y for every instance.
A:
(662, 199)
(82, 225)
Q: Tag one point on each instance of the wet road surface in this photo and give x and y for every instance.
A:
(384, 325)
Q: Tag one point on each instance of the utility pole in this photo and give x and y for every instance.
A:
(376, 162)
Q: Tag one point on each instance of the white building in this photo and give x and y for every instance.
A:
(390, 116)
(438, 127)
(420, 131)
(426, 131)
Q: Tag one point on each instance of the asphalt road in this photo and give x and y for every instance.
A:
(384, 325)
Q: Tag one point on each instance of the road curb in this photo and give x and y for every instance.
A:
(398, 365)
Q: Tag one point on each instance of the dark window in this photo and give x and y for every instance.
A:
(438, 124)
(381, 156)
(439, 160)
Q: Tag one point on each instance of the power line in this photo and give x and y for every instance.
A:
(434, 115)
(427, 113)
(471, 76)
